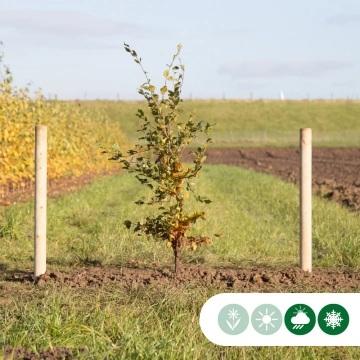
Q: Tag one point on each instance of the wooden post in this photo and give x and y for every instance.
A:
(305, 199)
(40, 200)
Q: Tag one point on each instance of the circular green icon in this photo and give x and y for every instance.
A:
(300, 319)
(233, 319)
(266, 319)
(333, 319)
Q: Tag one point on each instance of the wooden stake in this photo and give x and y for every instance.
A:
(305, 199)
(40, 200)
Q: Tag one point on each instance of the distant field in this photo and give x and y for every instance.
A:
(257, 122)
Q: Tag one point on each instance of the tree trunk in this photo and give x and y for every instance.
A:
(177, 256)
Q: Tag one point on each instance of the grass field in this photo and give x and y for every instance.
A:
(258, 122)
(259, 223)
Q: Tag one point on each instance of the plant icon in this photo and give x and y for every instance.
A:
(233, 319)
(233, 314)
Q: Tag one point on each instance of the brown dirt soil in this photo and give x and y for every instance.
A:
(56, 187)
(56, 353)
(335, 170)
(243, 280)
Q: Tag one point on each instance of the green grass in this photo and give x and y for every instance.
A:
(258, 217)
(259, 223)
(257, 122)
(144, 324)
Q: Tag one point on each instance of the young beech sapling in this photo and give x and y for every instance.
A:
(157, 163)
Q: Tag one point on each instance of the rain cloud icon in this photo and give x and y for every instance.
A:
(300, 320)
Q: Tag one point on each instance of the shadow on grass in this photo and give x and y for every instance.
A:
(17, 275)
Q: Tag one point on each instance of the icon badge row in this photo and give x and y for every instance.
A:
(299, 319)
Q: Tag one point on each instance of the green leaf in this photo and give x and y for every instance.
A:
(152, 88)
(115, 147)
(163, 90)
(208, 129)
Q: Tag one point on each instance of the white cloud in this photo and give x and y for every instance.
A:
(64, 23)
(271, 69)
(300, 319)
(343, 19)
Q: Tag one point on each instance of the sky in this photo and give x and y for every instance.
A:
(232, 49)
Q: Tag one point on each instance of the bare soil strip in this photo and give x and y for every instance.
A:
(56, 353)
(13, 193)
(243, 280)
(335, 170)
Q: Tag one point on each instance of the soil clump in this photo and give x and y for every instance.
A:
(56, 353)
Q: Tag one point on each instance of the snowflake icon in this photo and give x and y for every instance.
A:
(333, 319)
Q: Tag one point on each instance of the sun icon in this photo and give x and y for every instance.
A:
(266, 319)
(300, 311)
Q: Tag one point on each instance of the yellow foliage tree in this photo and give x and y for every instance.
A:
(71, 130)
